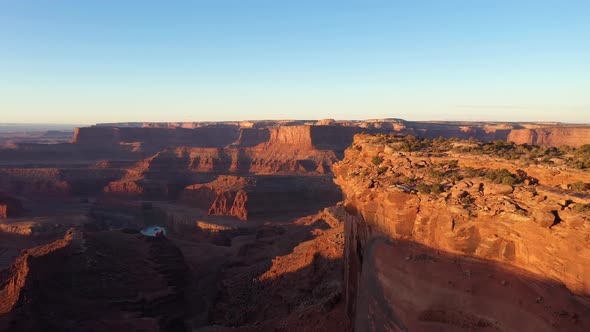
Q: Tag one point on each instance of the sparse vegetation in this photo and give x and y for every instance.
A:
(579, 186)
(382, 169)
(430, 189)
(528, 154)
(581, 208)
(503, 176)
(581, 157)
(377, 160)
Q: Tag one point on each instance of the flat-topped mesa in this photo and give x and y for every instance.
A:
(218, 136)
(558, 136)
(487, 201)
(322, 134)
(291, 135)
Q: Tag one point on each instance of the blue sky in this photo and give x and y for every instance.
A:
(108, 61)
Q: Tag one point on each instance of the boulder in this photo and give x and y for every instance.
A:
(544, 218)
(497, 189)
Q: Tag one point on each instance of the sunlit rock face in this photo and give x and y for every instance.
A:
(439, 238)
(571, 136)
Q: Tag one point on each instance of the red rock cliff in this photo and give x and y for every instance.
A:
(572, 136)
(518, 226)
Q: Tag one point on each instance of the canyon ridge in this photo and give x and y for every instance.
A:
(295, 225)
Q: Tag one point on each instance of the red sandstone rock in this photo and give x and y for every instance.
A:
(9, 206)
(516, 227)
(572, 136)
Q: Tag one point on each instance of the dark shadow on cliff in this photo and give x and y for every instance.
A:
(121, 281)
(411, 287)
(262, 298)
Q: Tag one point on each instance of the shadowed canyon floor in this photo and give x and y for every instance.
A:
(297, 226)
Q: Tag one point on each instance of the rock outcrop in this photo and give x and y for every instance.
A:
(9, 206)
(261, 196)
(225, 196)
(447, 205)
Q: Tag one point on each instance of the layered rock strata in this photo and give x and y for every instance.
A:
(454, 205)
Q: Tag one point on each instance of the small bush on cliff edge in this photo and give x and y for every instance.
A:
(423, 188)
(430, 189)
(382, 169)
(377, 160)
(503, 176)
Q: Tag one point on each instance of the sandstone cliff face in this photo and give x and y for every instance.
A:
(27, 181)
(571, 136)
(9, 206)
(19, 276)
(224, 196)
(261, 196)
(515, 225)
(160, 137)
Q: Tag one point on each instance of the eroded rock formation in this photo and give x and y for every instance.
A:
(437, 204)
(9, 206)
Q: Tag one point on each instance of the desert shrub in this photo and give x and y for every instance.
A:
(382, 169)
(435, 174)
(503, 176)
(581, 208)
(437, 188)
(471, 172)
(453, 164)
(465, 200)
(579, 186)
(377, 160)
(406, 180)
(430, 189)
(423, 188)
(581, 159)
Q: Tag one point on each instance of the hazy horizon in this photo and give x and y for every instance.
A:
(95, 62)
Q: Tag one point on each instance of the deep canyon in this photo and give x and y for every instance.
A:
(375, 225)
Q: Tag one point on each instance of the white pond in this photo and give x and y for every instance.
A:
(153, 230)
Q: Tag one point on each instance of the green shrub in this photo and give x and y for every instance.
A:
(437, 188)
(377, 160)
(423, 188)
(382, 169)
(503, 176)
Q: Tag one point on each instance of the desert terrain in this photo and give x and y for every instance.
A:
(294, 225)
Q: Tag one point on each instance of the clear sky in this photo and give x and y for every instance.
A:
(112, 60)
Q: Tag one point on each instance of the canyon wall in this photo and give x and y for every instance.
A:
(571, 136)
(166, 137)
(413, 211)
(262, 196)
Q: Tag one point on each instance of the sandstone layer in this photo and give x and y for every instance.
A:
(452, 204)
